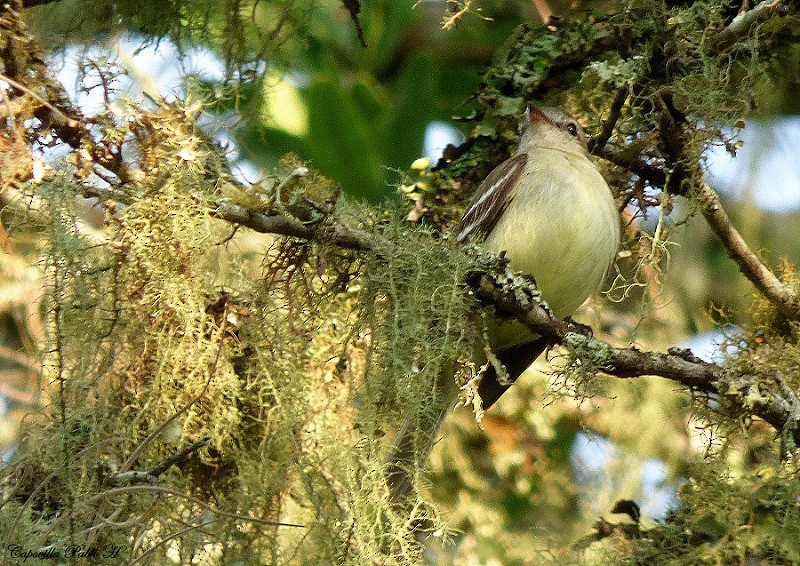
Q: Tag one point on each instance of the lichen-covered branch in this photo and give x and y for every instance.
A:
(333, 234)
(337, 235)
(511, 294)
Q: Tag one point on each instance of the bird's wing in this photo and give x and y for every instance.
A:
(491, 199)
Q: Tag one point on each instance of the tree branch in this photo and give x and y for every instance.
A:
(518, 298)
(607, 128)
(672, 127)
(746, 20)
(655, 174)
(783, 297)
(353, 7)
(337, 235)
(780, 406)
(151, 476)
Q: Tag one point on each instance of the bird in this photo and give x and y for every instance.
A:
(550, 212)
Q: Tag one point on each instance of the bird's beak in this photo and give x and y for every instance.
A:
(536, 116)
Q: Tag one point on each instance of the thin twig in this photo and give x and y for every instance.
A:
(169, 491)
(177, 458)
(72, 123)
(607, 128)
(745, 20)
(782, 296)
(151, 476)
(353, 7)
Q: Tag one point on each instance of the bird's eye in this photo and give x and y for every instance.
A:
(572, 129)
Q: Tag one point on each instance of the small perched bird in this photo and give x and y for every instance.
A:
(552, 214)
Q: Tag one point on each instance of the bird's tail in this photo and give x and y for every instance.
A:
(418, 434)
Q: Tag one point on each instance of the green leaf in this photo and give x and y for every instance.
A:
(340, 142)
(416, 108)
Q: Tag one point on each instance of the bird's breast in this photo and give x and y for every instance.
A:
(562, 226)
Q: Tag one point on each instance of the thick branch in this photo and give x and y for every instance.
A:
(783, 297)
(520, 302)
(780, 407)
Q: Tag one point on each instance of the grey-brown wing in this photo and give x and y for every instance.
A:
(491, 199)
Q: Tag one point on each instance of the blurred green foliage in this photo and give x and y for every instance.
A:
(365, 109)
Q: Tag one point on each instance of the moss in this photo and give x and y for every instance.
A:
(725, 519)
(158, 338)
(296, 360)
